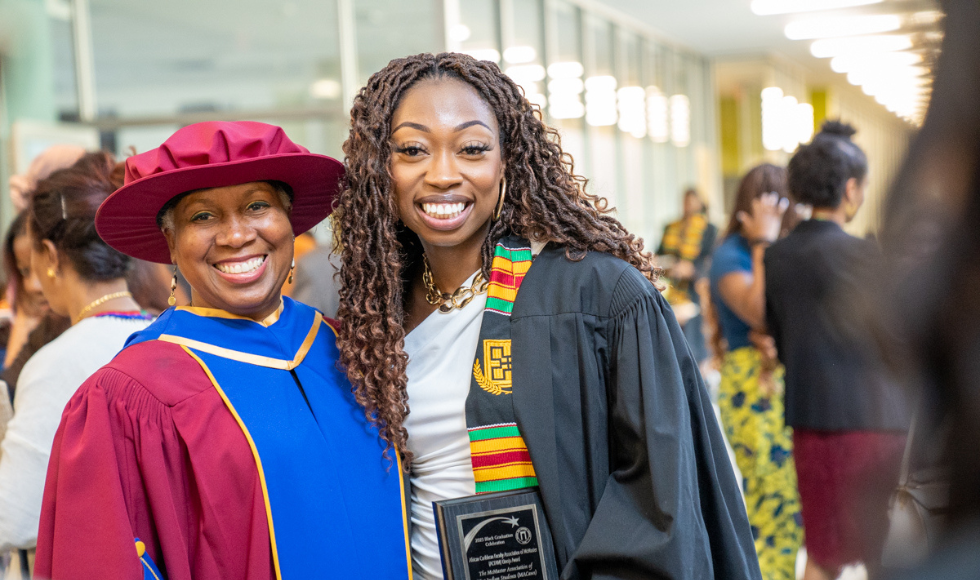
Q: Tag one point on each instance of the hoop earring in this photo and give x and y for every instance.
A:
(291, 270)
(173, 289)
(500, 201)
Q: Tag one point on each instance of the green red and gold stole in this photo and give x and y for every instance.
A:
(683, 238)
(501, 461)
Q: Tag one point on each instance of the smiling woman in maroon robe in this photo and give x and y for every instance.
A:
(222, 442)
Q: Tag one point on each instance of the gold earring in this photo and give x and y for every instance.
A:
(173, 289)
(50, 272)
(500, 202)
(291, 270)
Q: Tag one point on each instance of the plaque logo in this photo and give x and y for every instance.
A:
(496, 355)
(523, 535)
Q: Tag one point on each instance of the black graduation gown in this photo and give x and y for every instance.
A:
(633, 472)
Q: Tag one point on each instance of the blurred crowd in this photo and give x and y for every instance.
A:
(810, 411)
(846, 366)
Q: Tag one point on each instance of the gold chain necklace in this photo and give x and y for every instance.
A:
(458, 299)
(102, 300)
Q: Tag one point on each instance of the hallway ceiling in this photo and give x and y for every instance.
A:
(729, 28)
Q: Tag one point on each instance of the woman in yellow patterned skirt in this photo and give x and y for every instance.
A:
(750, 395)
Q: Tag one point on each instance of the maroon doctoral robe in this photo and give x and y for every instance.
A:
(147, 449)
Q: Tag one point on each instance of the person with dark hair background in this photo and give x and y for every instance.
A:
(83, 279)
(927, 298)
(848, 417)
(34, 323)
(30, 330)
(750, 393)
(688, 243)
(485, 288)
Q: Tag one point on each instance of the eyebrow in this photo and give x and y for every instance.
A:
(425, 129)
(249, 191)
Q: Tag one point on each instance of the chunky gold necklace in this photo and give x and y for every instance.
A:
(102, 300)
(458, 299)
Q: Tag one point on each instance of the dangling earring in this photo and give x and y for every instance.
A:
(500, 202)
(291, 270)
(173, 289)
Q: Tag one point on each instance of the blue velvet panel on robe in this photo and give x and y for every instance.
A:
(334, 499)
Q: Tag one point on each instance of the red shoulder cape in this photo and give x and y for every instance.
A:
(147, 449)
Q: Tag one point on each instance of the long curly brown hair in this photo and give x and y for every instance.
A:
(545, 200)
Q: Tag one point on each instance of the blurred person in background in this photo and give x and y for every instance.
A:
(31, 328)
(83, 279)
(684, 252)
(47, 162)
(302, 245)
(928, 297)
(750, 394)
(222, 441)
(150, 285)
(35, 324)
(31, 314)
(848, 417)
(30, 308)
(316, 283)
(16, 269)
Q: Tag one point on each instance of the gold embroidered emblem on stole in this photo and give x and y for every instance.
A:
(496, 355)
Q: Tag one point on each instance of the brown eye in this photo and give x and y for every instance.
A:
(475, 149)
(411, 150)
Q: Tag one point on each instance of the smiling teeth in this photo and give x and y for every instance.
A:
(241, 267)
(443, 210)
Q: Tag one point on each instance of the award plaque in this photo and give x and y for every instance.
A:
(495, 536)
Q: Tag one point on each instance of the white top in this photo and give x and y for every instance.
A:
(47, 382)
(440, 362)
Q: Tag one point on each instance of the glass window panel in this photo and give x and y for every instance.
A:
(569, 32)
(480, 32)
(630, 58)
(524, 51)
(566, 71)
(604, 164)
(527, 31)
(65, 90)
(601, 35)
(388, 29)
(631, 105)
(600, 72)
(165, 58)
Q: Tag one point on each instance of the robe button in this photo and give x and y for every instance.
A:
(140, 548)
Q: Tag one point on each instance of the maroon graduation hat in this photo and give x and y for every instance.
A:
(213, 154)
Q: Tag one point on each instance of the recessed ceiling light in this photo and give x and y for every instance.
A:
(830, 47)
(812, 28)
(766, 7)
(874, 61)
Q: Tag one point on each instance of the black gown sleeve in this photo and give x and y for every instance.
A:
(671, 507)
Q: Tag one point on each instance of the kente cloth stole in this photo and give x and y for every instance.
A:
(501, 461)
(683, 239)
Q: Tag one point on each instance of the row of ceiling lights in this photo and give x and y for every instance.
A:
(639, 111)
(889, 55)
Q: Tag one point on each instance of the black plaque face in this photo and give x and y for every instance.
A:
(495, 536)
(502, 544)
